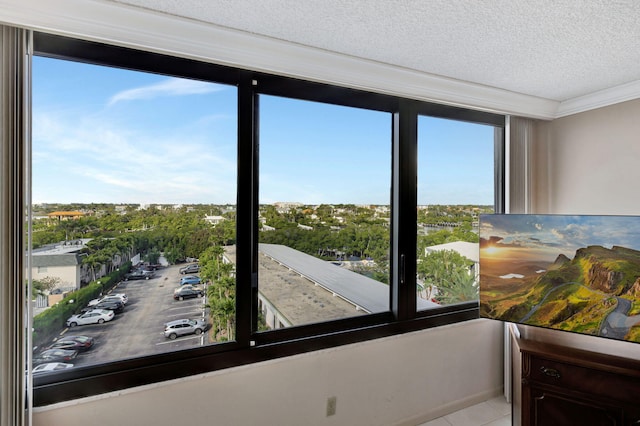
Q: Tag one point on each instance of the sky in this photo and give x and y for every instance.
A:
(107, 135)
(546, 236)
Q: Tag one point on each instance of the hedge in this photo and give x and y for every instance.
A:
(50, 322)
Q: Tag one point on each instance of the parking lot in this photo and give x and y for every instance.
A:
(138, 331)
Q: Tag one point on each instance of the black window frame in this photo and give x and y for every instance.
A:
(249, 346)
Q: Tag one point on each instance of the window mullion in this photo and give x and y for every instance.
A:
(246, 218)
(404, 199)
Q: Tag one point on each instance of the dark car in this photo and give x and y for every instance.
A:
(112, 305)
(76, 343)
(187, 291)
(55, 355)
(139, 274)
(190, 269)
(151, 267)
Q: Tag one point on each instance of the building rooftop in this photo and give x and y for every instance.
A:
(65, 214)
(306, 289)
(62, 259)
(469, 250)
(365, 293)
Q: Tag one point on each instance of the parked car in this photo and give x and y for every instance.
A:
(177, 289)
(184, 326)
(49, 367)
(190, 279)
(190, 269)
(139, 274)
(119, 296)
(111, 303)
(96, 316)
(54, 355)
(187, 291)
(77, 343)
(122, 297)
(151, 267)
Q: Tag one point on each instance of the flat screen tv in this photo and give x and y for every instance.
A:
(574, 273)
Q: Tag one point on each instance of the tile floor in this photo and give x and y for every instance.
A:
(494, 412)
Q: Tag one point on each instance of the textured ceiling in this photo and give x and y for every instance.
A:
(554, 49)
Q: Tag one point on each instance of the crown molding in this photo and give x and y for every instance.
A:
(602, 98)
(124, 25)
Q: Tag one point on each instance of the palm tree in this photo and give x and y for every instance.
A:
(93, 262)
(447, 276)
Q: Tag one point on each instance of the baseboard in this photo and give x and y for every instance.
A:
(451, 407)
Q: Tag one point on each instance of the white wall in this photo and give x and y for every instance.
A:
(69, 275)
(589, 163)
(405, 379)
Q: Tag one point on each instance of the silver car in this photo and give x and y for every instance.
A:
(184, 326)
(121, 297)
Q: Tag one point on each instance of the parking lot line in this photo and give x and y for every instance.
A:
(179, 339)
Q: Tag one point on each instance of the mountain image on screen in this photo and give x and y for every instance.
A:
(562, 272)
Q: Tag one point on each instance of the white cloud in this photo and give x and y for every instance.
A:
(168, 87)
(112, 163)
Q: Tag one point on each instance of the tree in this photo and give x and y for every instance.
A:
(221, 291)
(447, 277)
(95, 261)
(224, 233)
(222, 302)
(44, 285)
(153, 256)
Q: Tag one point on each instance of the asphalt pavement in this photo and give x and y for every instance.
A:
(138, 331)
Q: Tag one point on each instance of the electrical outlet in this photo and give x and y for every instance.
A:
(331, 406)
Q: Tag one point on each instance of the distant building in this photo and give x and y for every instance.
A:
(62, 261)
(214, 220)
(64, 215)
(282, 207)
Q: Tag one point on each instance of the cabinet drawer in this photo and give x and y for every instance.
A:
(582, 379)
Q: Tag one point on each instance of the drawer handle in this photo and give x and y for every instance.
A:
(551, 372)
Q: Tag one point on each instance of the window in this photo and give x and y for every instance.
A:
(324, 212)
(456, 174)
(142, 167)
(293, 204)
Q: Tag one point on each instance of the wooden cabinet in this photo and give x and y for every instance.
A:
(568, 387)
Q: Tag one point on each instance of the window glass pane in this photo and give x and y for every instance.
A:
(325, 174)
(134, 179)
(455, 185)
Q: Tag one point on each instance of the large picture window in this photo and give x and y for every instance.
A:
(188, 217)
(324, 212)
(133, 199)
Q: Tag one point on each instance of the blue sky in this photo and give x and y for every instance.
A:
(117, 136)
(547, 236)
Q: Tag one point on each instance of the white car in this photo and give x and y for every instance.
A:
(49, 367)
(116, 296)
(96, 316)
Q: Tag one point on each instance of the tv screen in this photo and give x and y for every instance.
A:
(572, 273)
